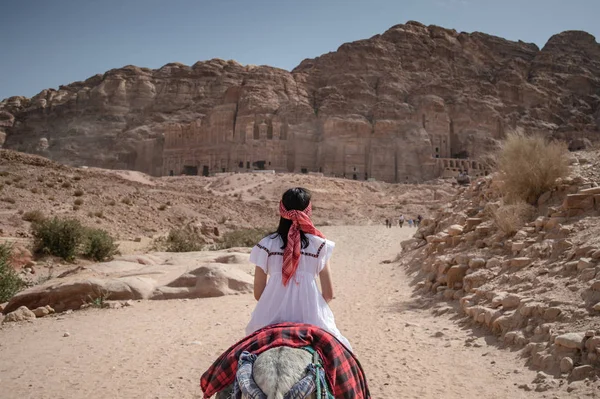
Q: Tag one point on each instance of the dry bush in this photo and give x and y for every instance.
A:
(530, 165)
(112, 202)
(21, 186)
(162, 207)
(76, 177)
(66, 184)
(36, 216)
(242, 238)
(510, 218)
(127, 201)
(40, 179)
(59, 237)
(78, 193)
(99, 245)
(3, 173)
(78, 202)
(34, 190)
(99, 214)
(10, 200)
(186, 239)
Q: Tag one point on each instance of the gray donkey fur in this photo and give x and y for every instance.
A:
(276, 371)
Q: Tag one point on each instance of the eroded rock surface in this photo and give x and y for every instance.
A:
(400, 106)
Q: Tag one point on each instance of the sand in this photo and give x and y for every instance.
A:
(159, 349)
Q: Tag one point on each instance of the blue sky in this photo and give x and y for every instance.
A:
(45, 43)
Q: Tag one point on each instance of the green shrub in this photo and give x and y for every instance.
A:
(184, 240)
(10, 283)
(58, 237)
(99, 245)
(530, 165)
(242, 238)
(36, 216)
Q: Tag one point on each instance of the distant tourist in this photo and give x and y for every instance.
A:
(401, 221)
(410, 223)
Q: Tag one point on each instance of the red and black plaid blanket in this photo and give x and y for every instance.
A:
(344, 373)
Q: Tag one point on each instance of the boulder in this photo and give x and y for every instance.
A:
(456, 274)
(206, 281)
(570, 340)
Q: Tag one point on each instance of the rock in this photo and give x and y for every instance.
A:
(477, 263)
(206, 281)
(596, 307)
(596, 255)
(551, 314)
(157, 276)
(456, 275)
(471, 223)
(517, 246)
(570, 340)
(20, 314)
(43, 311)
(584, 263)
(587, 275)
(521, 262)
(455, 230)
(66, 335)
(581, 372)
(583, 202)
(511, 301)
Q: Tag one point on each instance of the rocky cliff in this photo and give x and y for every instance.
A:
(384, 107)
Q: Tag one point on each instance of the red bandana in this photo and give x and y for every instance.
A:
(300, 222)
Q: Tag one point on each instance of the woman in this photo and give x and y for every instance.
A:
(287, 264)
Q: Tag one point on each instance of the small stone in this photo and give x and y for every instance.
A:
(477, 263)
(566, 365)
(66, 335)
(590, 333)
(596, 255)
(455, 230)
(43, 311)
(596, 307)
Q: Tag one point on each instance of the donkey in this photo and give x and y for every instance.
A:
(276, 371)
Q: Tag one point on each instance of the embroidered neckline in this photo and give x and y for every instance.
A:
(278, 253)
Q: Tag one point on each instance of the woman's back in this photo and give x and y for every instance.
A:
(300, 300)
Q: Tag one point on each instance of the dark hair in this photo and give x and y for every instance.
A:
(297, 198)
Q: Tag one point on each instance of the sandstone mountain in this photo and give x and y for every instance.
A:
(400, 106)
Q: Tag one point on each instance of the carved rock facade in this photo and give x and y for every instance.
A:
(401, 106)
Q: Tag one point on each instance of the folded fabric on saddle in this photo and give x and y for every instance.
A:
(343, 370)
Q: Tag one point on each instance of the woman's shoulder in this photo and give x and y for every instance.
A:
(319, 240)
(269, 241)
(318, 245)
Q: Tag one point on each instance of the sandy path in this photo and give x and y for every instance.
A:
(160, 349)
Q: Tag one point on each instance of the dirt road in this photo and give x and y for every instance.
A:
(160, 349)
